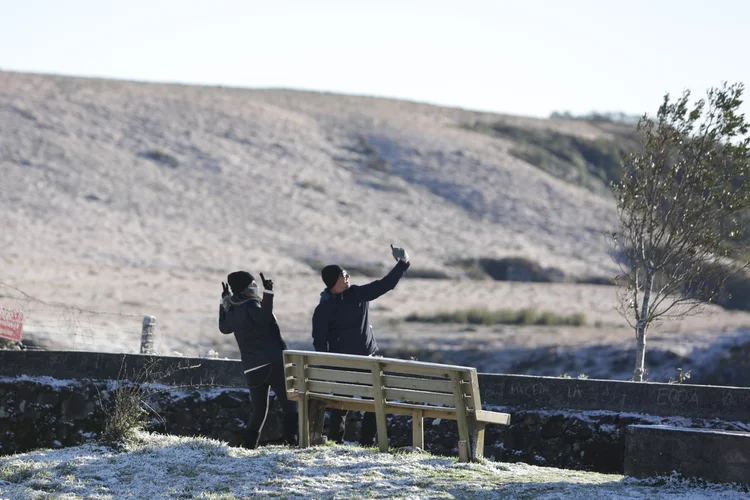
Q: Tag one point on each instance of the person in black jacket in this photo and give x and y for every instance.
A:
(341, 324)
(259, 338)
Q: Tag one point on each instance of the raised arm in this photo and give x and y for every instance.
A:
(224, 326)
(372, 291)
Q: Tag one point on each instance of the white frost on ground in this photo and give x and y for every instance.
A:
(178, 467)
(42, 380)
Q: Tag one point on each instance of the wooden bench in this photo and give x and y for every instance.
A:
(391, 386)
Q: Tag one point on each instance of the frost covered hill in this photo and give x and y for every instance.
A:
(205, 178)
(120, 199)
(177, 467)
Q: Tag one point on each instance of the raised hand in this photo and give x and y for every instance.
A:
(399, 254)
(224, 290)
(267, 284)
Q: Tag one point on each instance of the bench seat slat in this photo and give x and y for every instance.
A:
(419, 397)
(390, 381)
(322, 358)
(344, 403)
(339, 388)
(420, 384)
(348, 403)
(329, 375)
(390, 367)
(431, 370)
(343, 362)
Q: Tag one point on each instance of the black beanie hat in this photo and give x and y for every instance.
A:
(239, 280)
(330, 275)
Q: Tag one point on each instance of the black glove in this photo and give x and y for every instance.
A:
(267, 284)
(224, 290)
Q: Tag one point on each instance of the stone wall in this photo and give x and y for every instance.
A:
(49, 413)
(716, 456)
(46, 413)
(513, 391)
(571, 423)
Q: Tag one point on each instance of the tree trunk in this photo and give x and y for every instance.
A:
(640, 353)
(640, 328)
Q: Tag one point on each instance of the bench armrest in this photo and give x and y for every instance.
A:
(492, 417)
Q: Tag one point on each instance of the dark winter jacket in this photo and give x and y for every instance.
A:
(341, 322)
(255, 328)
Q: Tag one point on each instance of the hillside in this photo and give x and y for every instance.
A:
(121, 199)
(189, 178)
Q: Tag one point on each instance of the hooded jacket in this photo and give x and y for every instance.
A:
(254, 326)
(341, 322)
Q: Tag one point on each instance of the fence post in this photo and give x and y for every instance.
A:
(147, 335)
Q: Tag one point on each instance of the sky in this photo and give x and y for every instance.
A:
(523, 57)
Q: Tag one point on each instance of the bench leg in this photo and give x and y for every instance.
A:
(304, 421)
(317, 414)
(464, 439)
(477, 439)
(382, 431)
(463, 451)
(417, 429)
(377, 386)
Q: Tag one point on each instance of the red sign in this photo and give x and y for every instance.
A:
(11, 324)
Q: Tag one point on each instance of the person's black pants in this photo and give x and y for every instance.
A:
(337, 424)
(337, 427)
(261, 381)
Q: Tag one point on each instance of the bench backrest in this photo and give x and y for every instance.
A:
(394, 381)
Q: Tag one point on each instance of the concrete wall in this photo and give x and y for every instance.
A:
(717, 456)
(666, 400)
(79, 365)
(571, 423)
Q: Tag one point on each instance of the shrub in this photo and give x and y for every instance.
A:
(430, 274)
(160, 157)
(478, 316)
(595, 280)
(508, 269)
(733, 293)
(372, 159)
(11, 345)
(470, 266)
(124, 413)
(126, 405)
(519, 269)
(706, 285)
(312, 185)
(592, 164)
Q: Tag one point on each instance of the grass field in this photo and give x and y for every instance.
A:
(159, 466)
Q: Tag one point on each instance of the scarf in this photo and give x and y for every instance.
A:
(246, 295)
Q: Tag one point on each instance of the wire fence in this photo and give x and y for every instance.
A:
(59, 325)
(63, 326)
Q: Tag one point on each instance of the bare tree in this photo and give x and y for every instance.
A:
(680, 202)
